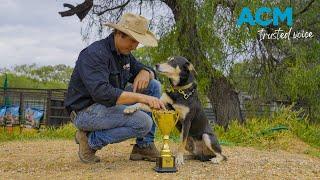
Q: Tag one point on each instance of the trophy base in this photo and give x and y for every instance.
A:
(165, 165)
(165, 170)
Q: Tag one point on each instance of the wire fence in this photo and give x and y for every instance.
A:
(32, 107)
(35, 107)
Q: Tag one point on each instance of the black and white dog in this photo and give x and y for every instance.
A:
(197, 136)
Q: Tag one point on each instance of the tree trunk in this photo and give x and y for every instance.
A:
(223, 97)
(225, 101)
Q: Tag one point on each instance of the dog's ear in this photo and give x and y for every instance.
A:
(192, 69)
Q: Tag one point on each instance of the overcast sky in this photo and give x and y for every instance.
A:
(32, 31)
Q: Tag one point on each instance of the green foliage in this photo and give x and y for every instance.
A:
(271, 134)
(57, 73)
(295, 77)
(298, 124)
(301, 82)
(16, 81)
(43, 77)
(167, 47)
(151, 56)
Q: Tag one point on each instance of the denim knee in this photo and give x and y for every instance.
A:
(79, 123)
(154, 88)
(154, 84)
(144, 123)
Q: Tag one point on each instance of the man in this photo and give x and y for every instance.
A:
(97, 92)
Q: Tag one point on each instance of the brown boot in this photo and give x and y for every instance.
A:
(86, 154)
(149, 153)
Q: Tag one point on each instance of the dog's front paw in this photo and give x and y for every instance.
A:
(218, 159)
(215, 160)
(179, 159)
(130, 109)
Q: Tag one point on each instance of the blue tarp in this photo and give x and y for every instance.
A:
(12, 114)
(33, 117)
(2, 114)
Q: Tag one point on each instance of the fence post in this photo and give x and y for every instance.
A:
(49, 95)
(20, 111)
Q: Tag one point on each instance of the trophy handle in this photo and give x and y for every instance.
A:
(154, 117)
(177, 117)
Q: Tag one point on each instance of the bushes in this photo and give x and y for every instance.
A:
(287, 130)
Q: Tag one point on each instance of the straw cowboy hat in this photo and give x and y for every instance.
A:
(137, 27)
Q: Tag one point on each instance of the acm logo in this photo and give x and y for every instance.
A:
(278, 16)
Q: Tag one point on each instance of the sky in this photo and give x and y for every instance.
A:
(32, 31)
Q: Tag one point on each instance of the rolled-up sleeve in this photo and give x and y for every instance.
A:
(94, 72)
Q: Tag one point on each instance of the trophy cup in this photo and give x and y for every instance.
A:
(166, 121)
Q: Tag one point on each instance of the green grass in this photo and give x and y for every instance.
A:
(64, 132)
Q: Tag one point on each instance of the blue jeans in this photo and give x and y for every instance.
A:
(108, 125)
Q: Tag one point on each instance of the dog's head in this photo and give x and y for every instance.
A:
(178, 69)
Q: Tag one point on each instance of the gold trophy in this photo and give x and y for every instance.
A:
(166, 121)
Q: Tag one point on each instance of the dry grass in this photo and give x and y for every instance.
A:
(53, 159)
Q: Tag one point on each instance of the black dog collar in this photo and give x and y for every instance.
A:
(181, 90)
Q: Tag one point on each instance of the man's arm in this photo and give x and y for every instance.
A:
(141, 75)
(136, 67)
(151, 72)
(94, 74)
(131, 98)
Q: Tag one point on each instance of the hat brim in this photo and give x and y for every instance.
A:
(147, 39)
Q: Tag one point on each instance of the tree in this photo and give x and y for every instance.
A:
(59, 73)
(221, 93)
(289, 69)
(205, 32)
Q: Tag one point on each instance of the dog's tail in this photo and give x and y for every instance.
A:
(212, 142)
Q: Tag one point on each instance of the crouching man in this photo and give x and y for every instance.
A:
(98, 92)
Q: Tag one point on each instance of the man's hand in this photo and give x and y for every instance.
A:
(141, 81)
(153, 102)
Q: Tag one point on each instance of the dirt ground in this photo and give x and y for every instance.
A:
(53, 159)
